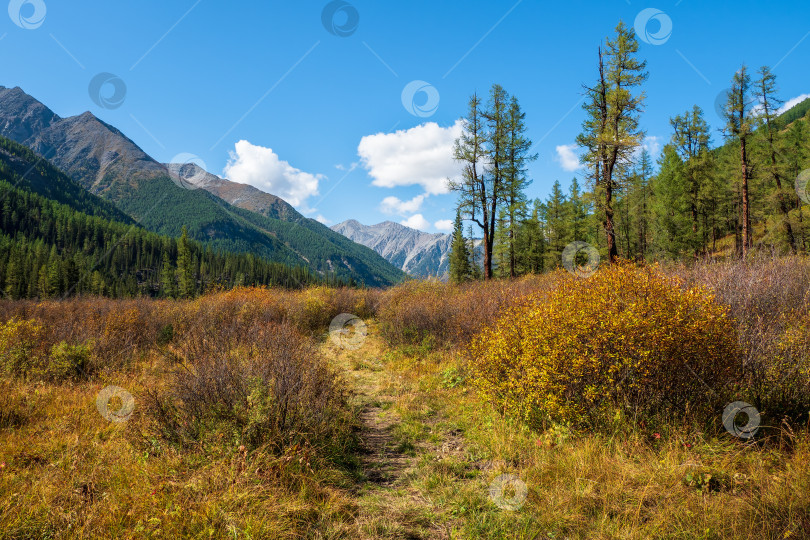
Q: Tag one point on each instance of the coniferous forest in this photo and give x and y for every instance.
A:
(59, 240)
(709, 195)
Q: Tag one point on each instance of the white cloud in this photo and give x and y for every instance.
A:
(417, 221)
(393, 205)
(789, 104)
(322, 219)
(261, 168)
(342, 167)
(422, 155)
(444, 225)
(567, 158)
(652, 145)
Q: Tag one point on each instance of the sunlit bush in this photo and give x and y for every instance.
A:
(67, 362)
(626, 339)
(20, 347)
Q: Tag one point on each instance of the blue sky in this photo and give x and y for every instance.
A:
(264, 92)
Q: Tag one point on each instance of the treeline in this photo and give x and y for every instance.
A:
(50, 250)
(701, 201)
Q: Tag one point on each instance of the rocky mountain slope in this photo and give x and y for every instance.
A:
(418, 253)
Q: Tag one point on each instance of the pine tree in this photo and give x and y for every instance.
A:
(765, 93)
(460, 269)
(185, 275)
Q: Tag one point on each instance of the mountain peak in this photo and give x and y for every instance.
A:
(418, 253)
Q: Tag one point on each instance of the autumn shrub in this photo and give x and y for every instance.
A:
(261, 384)
(450, 315)
(119, 330)
(626, 341)
(68, 362)
(769, 300)
(310, 310)
(21, 350)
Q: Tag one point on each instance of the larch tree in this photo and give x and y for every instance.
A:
(769, 104)
(611, 131)
(478, 193)
(691, 141)
(515, 180)
(496, 158)
(739, 120)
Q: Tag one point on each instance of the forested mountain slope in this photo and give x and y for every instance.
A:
(104, 161)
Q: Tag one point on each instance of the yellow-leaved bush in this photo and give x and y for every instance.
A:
(627, 339)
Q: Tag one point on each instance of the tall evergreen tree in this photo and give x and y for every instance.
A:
(515, 182)
(611, 131)
(691, 140)
(460, 267)
(478, 193)
(558, 223)
(185, 268)
(168, 278)
(739, 127)
(769, 104)
(531, 244)
(671, 207)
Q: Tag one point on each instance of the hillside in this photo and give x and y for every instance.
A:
(318, 244)
(24, 170)
(104, 161)
(57, 239)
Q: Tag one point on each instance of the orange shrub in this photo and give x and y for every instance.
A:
(627, 337)
(450, 314)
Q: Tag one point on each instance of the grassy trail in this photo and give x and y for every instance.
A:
(390, 501)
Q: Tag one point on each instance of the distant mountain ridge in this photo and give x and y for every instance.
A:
(105, 162)
(418, 253)
(241, 195)
(291, 227)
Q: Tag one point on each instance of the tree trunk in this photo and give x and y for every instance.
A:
(746, 207)
(609, 228)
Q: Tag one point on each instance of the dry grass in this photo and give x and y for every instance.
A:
(66, 472)
(685, 484)
(239, 428)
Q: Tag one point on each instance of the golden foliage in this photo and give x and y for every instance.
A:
(627, 336)
(20, 346)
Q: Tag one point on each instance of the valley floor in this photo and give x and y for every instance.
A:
(427, 466)
(433, 454)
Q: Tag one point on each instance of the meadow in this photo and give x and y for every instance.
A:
(547, 406)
